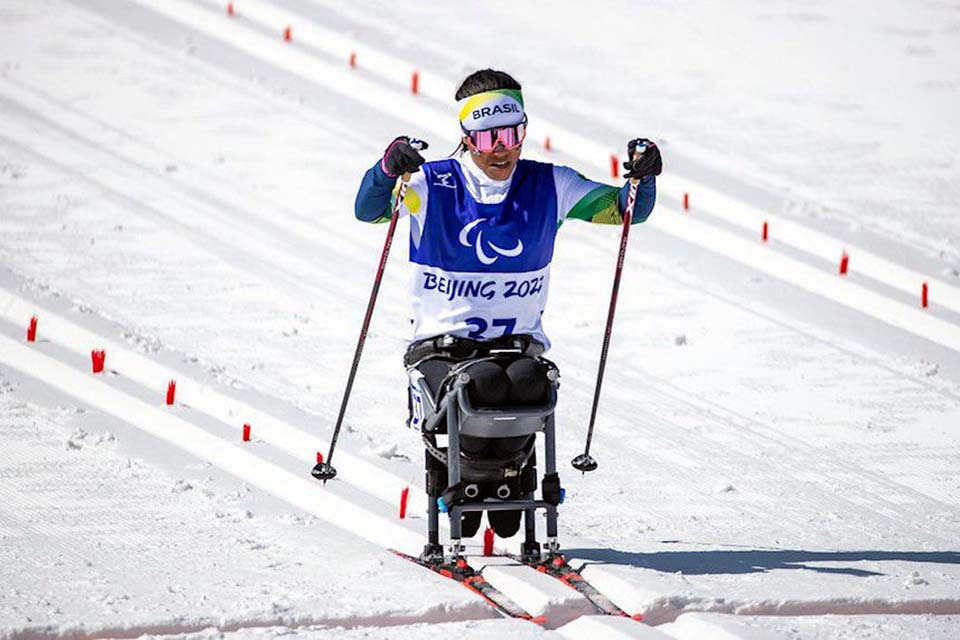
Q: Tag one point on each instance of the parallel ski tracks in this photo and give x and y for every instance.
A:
(764, 452)
(709, 409)
(284, 258)
(177, 429)
(736, 247)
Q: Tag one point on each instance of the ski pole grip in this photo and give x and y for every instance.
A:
(637, 153)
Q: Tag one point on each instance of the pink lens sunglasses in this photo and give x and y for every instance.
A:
(510, 137)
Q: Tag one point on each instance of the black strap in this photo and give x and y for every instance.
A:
(458, 348)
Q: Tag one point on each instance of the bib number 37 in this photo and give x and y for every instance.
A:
(478, 327)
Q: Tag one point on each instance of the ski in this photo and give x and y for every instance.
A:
(557, 567)
(461, 572)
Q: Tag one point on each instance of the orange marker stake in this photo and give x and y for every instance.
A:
(488, 542)
(98, 358)
(404, 496)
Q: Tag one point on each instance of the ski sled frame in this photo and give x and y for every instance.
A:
(462, 418)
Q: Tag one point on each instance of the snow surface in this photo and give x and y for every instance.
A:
(702, 625)
(764, 452)
(847, 114)
(150, 552)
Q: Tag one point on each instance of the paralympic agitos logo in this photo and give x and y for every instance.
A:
(478, 244)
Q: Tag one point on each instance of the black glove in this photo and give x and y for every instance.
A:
(648, 163)
(402, 156)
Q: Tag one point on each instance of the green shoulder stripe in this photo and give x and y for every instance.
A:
(600, 205)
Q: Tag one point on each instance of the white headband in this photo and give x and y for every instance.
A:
(498, 108)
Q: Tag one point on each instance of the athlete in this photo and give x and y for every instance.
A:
(482, 229)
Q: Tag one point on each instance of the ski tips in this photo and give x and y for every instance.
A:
(324, 471)
(584, 462)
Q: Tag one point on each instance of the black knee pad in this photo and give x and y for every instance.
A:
(506, 447)
(505, 523)
(470, 523)
(528, 382)
(474, 447)
(489, 385)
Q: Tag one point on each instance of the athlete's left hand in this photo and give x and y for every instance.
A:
(644, 159)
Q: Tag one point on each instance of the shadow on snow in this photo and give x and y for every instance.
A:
(741, 561)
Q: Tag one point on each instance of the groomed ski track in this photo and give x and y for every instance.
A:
(59, 360)
(538, 594)
(240, 232)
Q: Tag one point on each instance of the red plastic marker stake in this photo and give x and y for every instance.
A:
(488, 542)
(319, 458)
(171, 392)
(246, 433)
(614, 166)
(923, 294)
(844, 263)
(32, 330)
(353, 59)
(546, 144)
(404, 495)
(415, 83)
(766, 231)
(98, 358)
(287, 35)
(686, 202)
(230, 9)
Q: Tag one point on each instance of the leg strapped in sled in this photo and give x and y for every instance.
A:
(490, 400)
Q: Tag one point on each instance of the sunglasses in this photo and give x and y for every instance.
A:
(487, 140)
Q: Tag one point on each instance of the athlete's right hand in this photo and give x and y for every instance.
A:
(402, 156)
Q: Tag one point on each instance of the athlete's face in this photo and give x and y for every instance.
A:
(497, 164)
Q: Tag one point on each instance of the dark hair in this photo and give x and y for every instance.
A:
(480, 81)
(485, 80)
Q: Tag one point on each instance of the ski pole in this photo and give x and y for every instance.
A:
(324, 470)
(585, 462)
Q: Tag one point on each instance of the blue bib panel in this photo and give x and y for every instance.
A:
(463, 235)
(483, 270)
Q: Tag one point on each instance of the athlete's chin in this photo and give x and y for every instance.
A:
(500, 170)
